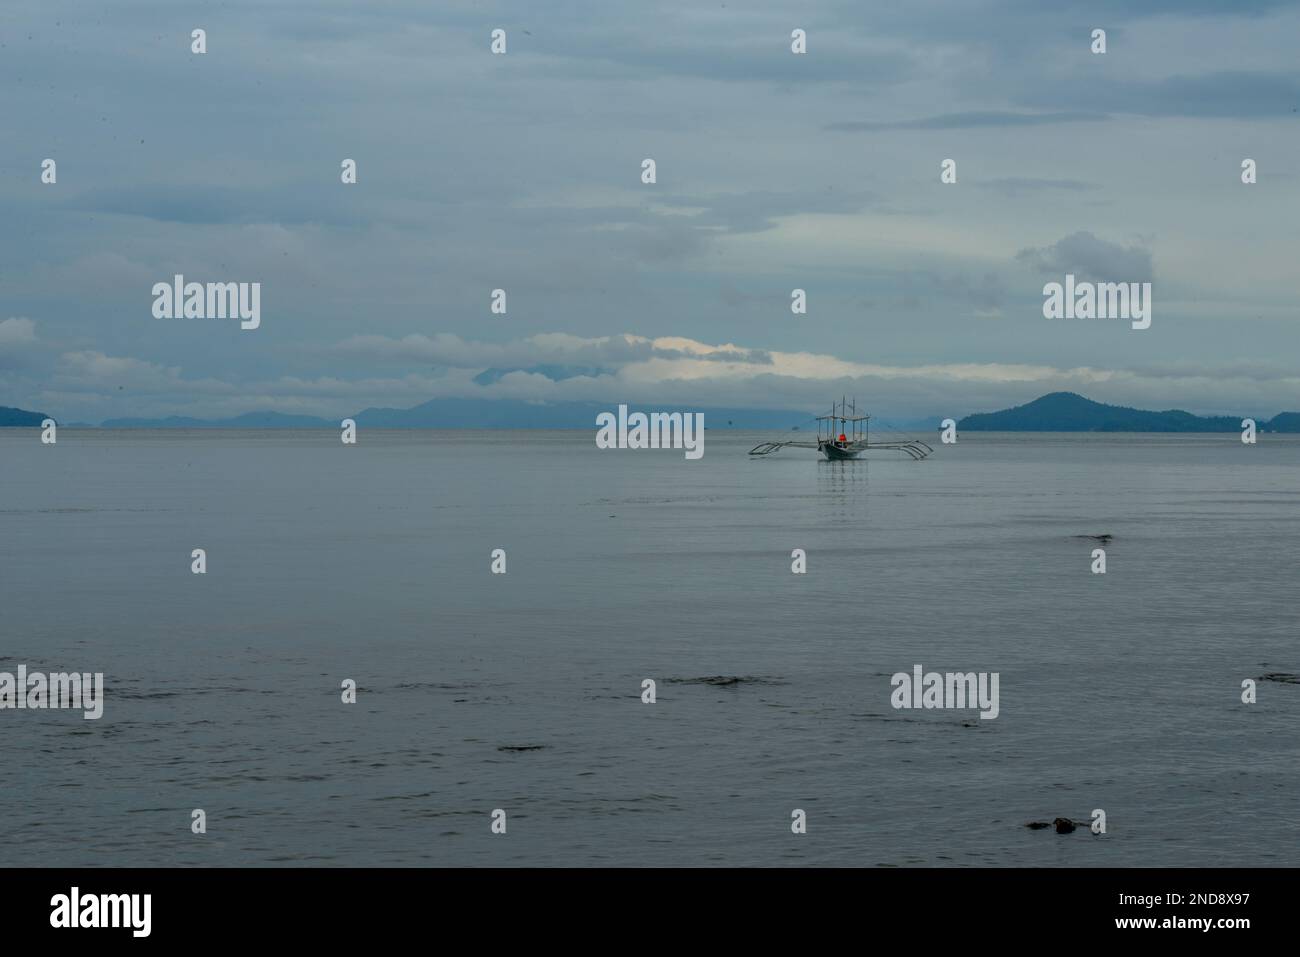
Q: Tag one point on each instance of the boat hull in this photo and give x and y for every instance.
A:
(837, 454)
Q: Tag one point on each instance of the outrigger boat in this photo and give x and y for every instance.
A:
(843, 435)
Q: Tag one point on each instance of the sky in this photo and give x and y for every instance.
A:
(522, 171)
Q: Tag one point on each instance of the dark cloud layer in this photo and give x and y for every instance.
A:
(775, 172)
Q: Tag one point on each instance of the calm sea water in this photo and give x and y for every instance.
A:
(1118, 691)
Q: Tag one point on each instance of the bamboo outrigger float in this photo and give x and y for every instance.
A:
(848, 440)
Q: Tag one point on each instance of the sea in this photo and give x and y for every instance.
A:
(519, 698)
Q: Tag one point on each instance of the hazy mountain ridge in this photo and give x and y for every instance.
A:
(249, 420)
(1054, 412)
(1071, 412)
(453, 413)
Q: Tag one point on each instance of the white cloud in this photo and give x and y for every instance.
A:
(18, 346)
(668, 371)
(17, 332)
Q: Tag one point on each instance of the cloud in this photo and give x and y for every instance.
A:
(671, 372)
(1239, 94)
(209, 204)
(1088, 257)
(17, 332)
(1015, 185)
(448, 349)
(713, 45)
(969, 120)
(985, 294)
(91, 371)
(17, 343)
(758, 211)
(556, 373)
(522, 172)
(550, 348)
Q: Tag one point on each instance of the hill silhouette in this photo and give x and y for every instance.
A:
(1071, 412)
(16, 418)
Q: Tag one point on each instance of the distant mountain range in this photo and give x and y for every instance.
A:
(1056, 412)
(1070, 412)
(249, 420)
(467, 414)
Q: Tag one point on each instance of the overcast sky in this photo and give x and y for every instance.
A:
(523, 172)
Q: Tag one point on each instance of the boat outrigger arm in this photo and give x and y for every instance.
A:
(845, 437)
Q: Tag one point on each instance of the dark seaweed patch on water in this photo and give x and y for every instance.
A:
(521, 747)
(1063, 825)
(725, 681)
(422, 796)
(122, 689)
(1281, 677)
